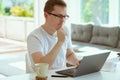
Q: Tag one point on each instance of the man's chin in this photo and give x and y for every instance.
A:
(59, 27)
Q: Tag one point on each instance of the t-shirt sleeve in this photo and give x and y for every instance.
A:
(34, 44)
(68, 37)
(69, 44)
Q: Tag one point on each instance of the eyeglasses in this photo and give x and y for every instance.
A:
(59, 16)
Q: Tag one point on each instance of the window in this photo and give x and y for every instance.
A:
(96, 11)
(22, 8)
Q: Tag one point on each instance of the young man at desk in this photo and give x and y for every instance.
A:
(51, 42)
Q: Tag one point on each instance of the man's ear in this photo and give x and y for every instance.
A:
(45, 14)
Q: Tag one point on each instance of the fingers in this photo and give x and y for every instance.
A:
(61, 35)
(77, 63)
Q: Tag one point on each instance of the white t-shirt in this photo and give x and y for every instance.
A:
(40, 40)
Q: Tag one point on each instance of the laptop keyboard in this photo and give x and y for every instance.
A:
(73, 70)
(69, 72)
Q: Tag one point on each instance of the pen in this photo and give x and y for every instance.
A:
(59, 76)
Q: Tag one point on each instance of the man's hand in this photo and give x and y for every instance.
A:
(61, 35)
(71, 58)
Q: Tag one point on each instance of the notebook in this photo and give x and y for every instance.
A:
(89, 64)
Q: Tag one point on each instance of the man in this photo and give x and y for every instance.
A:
(51, 43)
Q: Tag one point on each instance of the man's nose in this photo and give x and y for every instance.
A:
(62, 19)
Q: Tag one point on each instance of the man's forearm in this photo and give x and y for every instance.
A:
(50, 57)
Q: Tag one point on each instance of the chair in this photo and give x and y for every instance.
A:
(30, 66)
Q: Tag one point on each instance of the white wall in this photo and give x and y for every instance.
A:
(114, 12)
(39, 13)
(73, 10)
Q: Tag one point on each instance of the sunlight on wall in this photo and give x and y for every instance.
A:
(73, 8)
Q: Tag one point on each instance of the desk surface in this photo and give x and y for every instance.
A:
(101, 75)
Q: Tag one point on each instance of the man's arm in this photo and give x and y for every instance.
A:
(50, 57)
(71, 58)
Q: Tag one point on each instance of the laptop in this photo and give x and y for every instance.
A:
(89, 64)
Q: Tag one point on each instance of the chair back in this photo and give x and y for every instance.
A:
(30, 66)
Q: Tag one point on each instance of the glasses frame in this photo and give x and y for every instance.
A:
(59, 15)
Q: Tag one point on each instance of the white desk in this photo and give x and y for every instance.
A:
(101, 75)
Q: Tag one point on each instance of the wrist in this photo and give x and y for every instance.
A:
(60, 42)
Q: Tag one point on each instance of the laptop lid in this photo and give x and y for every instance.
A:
(89, 64)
